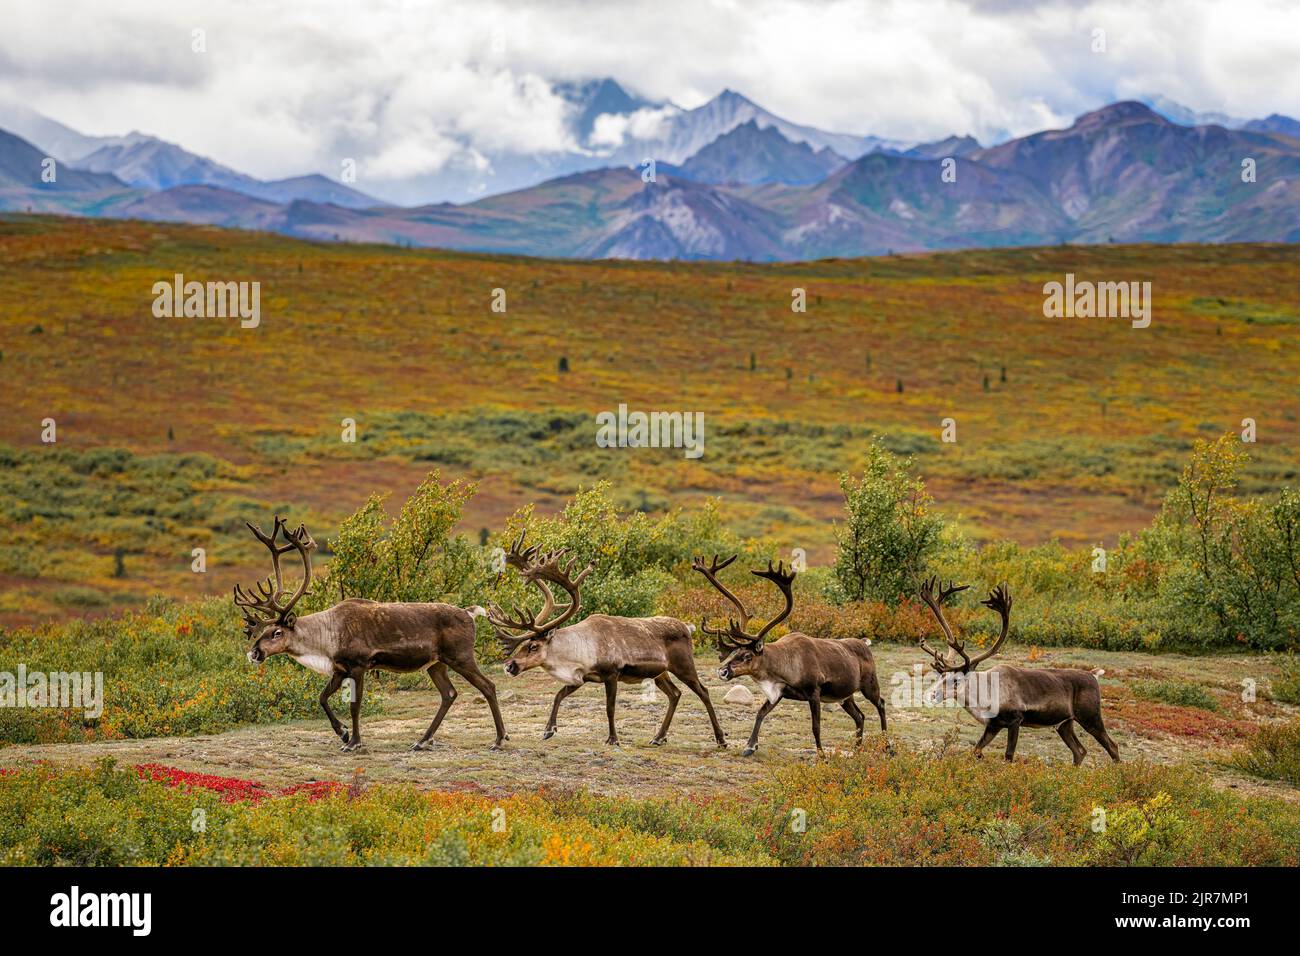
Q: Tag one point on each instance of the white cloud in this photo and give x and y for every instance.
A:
(401, 86)
(611, 129)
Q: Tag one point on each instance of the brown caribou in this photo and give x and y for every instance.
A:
(598, 650)
(816, 669)
(359, 635)
(1013, 697)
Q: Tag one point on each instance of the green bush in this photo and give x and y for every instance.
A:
(412, 557)
(635, 556)
(889, 533)
(1286, 686)
(1231, 566)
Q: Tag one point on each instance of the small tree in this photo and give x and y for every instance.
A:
(889, 533)
(413, 557)
(1232, 565)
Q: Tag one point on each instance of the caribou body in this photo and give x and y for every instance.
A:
(799, 667)
(601, 649)
(355, 636)
(1007, 697)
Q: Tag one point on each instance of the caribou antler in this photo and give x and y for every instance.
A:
(736, 634)
(267, 604)
(941, 662)
(710, 571)
(998, 599)
(538, 568)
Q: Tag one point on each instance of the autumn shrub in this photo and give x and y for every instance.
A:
(1178, 693)
(912, 808)
(870, 808)
(109, 816)
(1274, 752)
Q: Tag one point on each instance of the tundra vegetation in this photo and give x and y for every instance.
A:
(98, 532)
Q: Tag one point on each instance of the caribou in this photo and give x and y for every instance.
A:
(600, 649)
(1006, 697)
(816, 669)
(357, 635)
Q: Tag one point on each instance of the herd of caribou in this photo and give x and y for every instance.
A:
(357, 635)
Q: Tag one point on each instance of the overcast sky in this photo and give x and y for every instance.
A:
(287, 87)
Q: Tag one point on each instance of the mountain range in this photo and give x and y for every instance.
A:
(730, 181)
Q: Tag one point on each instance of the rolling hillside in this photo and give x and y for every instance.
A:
(171, 430)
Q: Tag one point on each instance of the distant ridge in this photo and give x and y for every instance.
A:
(1121, 173)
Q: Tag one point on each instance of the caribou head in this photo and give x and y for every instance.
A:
(268, 618)
(738, 650)
(526, 636)
(954, 672)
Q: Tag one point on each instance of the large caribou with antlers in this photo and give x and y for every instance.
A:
(1006, 697)
(358, 635)
(600, 649)
(816, 669)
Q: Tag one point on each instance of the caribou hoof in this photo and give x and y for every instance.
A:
(351, 747)
(613, 742)
(344, 735)
(497, 745)
(722, 745)
(658, 741)
(421, 745)
(748, 751)
(548, 733)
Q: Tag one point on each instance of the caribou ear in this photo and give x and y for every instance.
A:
(758, 647)
(290, 620)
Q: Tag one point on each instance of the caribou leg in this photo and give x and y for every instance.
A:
(1098, 732)
(1066, 730)
(469, 670)
(815, 708)
(699, 690)
(990, 731)
(335, 682)
(871, 691)
(1013, 736)
(859, 719)
(758, 722)
(674, 695)
(565, 691)
(611, 695)
(438, 674)
(358, 677)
